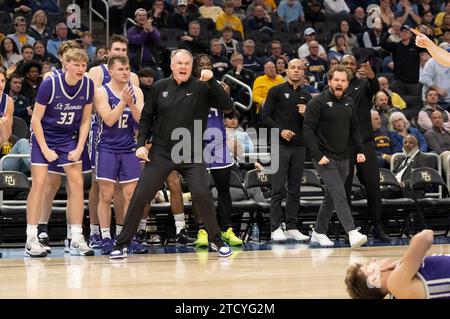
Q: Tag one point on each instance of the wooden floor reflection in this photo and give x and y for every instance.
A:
(282, 272)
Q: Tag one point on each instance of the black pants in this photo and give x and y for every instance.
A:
(221, 178)
(369, 175)
(292, 161)
(152, 178)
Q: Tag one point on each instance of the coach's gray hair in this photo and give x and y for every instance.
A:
(174, 52)
(396, 116)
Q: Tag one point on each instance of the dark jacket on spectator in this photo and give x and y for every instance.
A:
(141, 46)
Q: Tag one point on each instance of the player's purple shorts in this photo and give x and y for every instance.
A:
(85, 165)
(121, 167)
(38, 158)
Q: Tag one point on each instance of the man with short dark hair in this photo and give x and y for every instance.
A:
(330, 121)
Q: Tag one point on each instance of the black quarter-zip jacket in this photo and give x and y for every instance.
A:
(362, 91)
(280, 111)
(172, 106)
(329, 123)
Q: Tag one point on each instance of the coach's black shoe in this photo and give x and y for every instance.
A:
(380, 235)
(183, 238)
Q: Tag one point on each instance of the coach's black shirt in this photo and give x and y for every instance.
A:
(172, 106)
(280, 110)
(328, 124)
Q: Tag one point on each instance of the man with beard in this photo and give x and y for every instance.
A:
(330, 120)
(361, 89)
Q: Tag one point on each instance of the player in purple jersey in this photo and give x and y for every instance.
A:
(413, 277)
(118, 46)
(60, 125)
(6, 111)
(218, 160)
(119, 106)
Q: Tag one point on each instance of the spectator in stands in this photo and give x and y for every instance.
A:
(46, 67)
(219, 60)
(235, 131)
(21, 103)
(276, 50)
(336, 6)
(284, 109)
(358, 22)
(9, 52)
(6, 116)
(263, 83)
(384, 108)
(27, 54)
(425, 6)
(16, 146)
(159, 16)
(332, 62)
(431, 104)
(143, 38)
(21, 37)
(436, 76)
(239, 11)
(192, 8)
(251, 61)
(438, 137)
(406, 59)
(303, 50)
(395, 32)
(313, 10)
(32, 79)
(440, 16)
(87, 45)
(290, 11)
(238, 93)
(396, 99)
(61, 36)
(19, 7)
(281, 66)
(408, 12)
(343, 28)
(254, 4)
(45, 5)
(372, 37)
(383, 143)
(228, 19)
(261, 21)
(209, 11)
(116, 9)
(402, 128)
(229, 44)
(340, 47)
(39, 29)
(131, 6)
(146, 79)
(101, 57)
(193, 41)
(386, 14)
(316, 66)
(181, 18)
(40, 53)
(413, 158)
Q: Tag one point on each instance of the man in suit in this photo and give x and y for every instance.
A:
(414, 158)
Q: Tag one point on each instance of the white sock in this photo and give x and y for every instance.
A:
(32, 231)
(77, 232)
(95, 230)
(179, 222)
(118, 230)
(106, 232)
(142, 224)
(69, 231)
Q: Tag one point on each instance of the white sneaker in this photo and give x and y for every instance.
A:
(67, 245)
(33, 248)
(80, 248)
(278, 235)
(356, 238)
(321, 240)
(296, 235)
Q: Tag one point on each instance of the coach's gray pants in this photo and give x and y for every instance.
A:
(333, 176)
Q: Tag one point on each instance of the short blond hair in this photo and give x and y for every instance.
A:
(76, 55)
(66, 45)
(33, 19)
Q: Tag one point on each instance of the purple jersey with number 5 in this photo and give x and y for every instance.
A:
(120, 137)
(64, 108)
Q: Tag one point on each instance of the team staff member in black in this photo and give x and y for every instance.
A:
(284, 109)
(177, 102)
(361, 89)
(330, 120)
